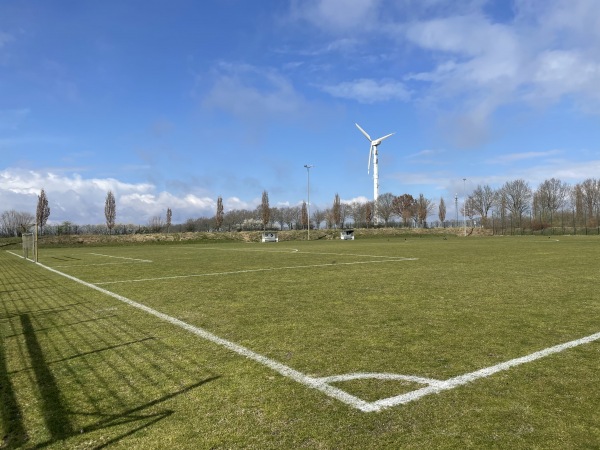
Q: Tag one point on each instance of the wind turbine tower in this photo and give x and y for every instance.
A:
(373, 154)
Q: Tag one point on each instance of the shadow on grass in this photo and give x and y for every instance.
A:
(55, 414)
(10, 413)
(90, 369)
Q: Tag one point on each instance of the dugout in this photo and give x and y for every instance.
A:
(347, 235)
(269, 236)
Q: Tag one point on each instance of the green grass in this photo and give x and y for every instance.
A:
(80, 369)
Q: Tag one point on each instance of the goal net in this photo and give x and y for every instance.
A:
(29, 246)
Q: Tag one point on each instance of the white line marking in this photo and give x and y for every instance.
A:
(460, 380)
(99, 264)
(234, 272)
(121, 257)
(321, 384)
(274, 365)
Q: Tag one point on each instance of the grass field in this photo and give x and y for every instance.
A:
(374, 343)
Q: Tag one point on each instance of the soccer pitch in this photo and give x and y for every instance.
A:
(400, 343)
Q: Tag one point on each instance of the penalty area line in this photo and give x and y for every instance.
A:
(237, 272)
(122, 257)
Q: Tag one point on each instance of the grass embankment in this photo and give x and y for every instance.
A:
(236, 236)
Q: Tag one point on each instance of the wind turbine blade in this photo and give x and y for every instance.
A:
(363, 132)
(385, 137)
(370, 154)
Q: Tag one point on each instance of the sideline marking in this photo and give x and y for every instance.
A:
(122, 257)
(322, 384)
(234, 272)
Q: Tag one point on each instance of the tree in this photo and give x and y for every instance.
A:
(169, 217)
(590, 189)
(424, 208)
(358, 211)
(155, 224)
(385, 206)
(289, 215)
(442, 211)
(15, 223)
(318, 216)
(481, 201)
(368, 213)
(405, 206)
(336, 210)
(110, 211)
(219, 215)
(518, 197)
(304, 216)
(265, 211)
(551, 196)
(42, 211)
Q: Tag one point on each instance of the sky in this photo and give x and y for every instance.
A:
(171, 104)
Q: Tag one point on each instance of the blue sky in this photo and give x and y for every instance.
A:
(170, 104)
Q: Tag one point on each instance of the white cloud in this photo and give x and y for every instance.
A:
(81, 200)
(369, 91)
(253, 94)
(513, 157)
(359, 199)
(337, 15)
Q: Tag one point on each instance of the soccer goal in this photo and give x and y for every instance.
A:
(29, 246)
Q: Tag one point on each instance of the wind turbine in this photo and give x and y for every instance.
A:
(373, 153)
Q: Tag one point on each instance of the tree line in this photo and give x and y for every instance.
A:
(514, 205)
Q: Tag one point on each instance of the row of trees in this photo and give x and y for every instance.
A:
(553, 204)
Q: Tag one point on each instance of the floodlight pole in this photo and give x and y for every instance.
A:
(465, 203)
(308, 167)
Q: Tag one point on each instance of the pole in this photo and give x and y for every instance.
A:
(35, 244)
(308, 167)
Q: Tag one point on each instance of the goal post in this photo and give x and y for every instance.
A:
(29, 246)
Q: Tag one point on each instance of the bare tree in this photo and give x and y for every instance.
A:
(385, 206)
(219, 214)
(358, 211)
(169, 217)
(405, 206)
(290, 215)
(442, 211)
(345, 212)
(265, 210)
(368, 213)
(42, 211)
(590, 189)
(155, 224)
(518, 197)
(15, 223)
(551, 196)
(110, 211)
(424, 208)
(318, 216)
(481, 201)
